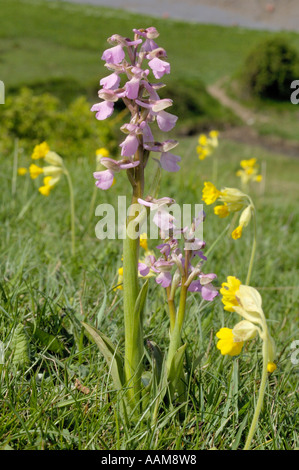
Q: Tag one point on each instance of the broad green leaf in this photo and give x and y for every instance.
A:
(175, 371)
(112, 357)
(46, 339)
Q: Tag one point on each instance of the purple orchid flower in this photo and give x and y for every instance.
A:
(105, 178)
(159, 67)
(103, 110)
(114, 55)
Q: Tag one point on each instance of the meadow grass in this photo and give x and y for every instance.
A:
(50, 292)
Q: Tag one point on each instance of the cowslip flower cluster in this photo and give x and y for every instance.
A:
(233, 201)
(247, 302)
(249, 171)
(207, 144)
(130, 82)
(52, 173)
(175, 267)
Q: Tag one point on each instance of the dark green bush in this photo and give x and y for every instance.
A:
(270, 69)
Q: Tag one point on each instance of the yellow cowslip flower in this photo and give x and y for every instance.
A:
(143, 241)
(202, 153)
(228, 291)
(120, 278)
(40, 151)
(214, 135)
(271, 367)
(35, 171)
(102, 152)
(207, 144)
(210, 193)
(46, 188)
(203, 140)
(251, 163)
(22, 171)
(249, 171)
(221, 210)
(243, 222)
(227, 343)
(237, 233)
(233, 200)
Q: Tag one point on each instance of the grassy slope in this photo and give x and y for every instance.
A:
(41, 281)
(204, 51)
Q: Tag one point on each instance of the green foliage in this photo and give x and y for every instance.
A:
(270, 69)
(73, 130)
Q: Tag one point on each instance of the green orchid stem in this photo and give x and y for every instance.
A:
(253, 250)
(133, 341)
(175, 338)
(134, 348)
(171, 308)
(72, 207)
(15, 168)
(260, 397)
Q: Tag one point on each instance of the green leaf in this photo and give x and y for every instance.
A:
(112, 357)
(51, 342)
(140, 302)
(20, 347)
(158, 358)
(102, 309)
(175, 371)
(138, 315)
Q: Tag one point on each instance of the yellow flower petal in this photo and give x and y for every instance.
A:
(22, 171)
(221, 210)
(237, 233)
(143, 241)
(271, 367)
(45, 190)
(228, 291)
(35, 171)
(210, 193)
(227, 343)
(102, 152)
(40, 151)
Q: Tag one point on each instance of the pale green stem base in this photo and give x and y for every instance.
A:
(72, 207)
(253, 250)
(133, 329)
(260, 397)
